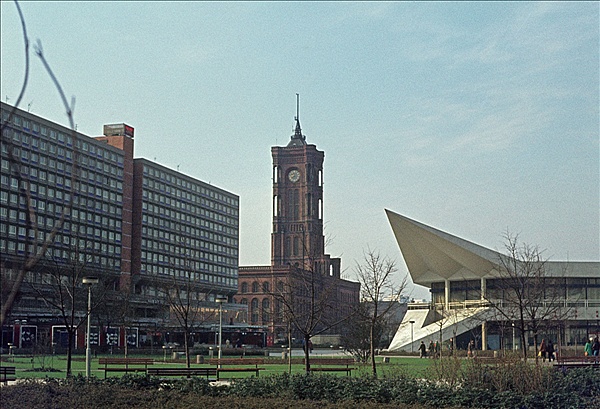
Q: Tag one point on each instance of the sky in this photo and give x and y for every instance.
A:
(476, 118)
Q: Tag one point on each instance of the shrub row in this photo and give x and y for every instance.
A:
(576, 388)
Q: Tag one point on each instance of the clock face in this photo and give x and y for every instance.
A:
(294, 176)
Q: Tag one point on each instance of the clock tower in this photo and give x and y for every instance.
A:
(297, 237)
(297, 250)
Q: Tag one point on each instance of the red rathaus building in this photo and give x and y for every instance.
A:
(302, 280)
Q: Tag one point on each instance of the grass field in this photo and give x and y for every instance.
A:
(27, 367)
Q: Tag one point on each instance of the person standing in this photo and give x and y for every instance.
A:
(550, 350)
(470, 348)
(543, 350)
(596, 347)
(587, 349)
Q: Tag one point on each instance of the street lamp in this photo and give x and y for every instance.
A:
(412, 335)
(89, 281)
(220, 300)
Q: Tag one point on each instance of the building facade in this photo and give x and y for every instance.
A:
(300, 270)
(474, 298)
(135, 223)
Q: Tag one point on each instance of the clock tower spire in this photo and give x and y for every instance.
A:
(297, 138)
(297, 237)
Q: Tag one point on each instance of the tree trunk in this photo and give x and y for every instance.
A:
(187, 350)
(372, 345)
(69, 352)
(307, 353)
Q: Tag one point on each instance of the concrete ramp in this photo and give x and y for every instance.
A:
(427, 324)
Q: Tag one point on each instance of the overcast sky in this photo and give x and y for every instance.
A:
(473, 118)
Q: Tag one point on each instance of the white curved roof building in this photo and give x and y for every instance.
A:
(465, 279)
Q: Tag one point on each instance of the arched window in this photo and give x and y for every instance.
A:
(254, 311)
(244, 288)
(266, 287)
(255, 287)
(266, 310)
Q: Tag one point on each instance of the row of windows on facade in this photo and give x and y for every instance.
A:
(188, 261)
(191, 214)
(183, 197)
(40, 192)
(197, 295)
(294, 206)
(93, 219)
(569, 288)
(220, 279)
(264, 310)
(172, 225)
(193, 187)
(51, 209)
(265, 288)
(94, 183)
(256, 287)
(194, 250)
(183, 236)
(62, 159)
(84, 232)
(33, 129)
(94, 180)
(63, 255)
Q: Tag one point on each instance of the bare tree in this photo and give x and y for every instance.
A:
(376, 275)
(309, 302)
(188, 305)
(524, 292)
(35, 249)
(356, 337)
(59, 285)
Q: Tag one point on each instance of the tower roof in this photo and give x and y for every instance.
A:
(297, 138)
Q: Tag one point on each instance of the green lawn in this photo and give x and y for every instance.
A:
(25, 365)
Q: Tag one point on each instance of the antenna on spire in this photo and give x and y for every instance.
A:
(297, 137)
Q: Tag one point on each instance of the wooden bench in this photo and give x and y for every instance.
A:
(331, 365)
(124, 364)
(209, 373)
(238, 361)
(565, 362)
(7, 373)
(489, 360)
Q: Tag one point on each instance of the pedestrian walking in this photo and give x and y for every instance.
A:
(422, 350)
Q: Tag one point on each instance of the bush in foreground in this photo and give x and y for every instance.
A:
(577, 388)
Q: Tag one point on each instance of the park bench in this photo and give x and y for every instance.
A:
(209, 373)
(495, 360)
(243, 364)
(124, 364)
(7, 373)
(565, 362)
(332, 365)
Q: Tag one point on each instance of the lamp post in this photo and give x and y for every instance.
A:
(412, 335)
(220, 300)
(89, 281)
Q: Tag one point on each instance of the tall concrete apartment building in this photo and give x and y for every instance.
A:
(140, 223)
(300, 271)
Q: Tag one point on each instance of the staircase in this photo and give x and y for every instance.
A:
(427, 323)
